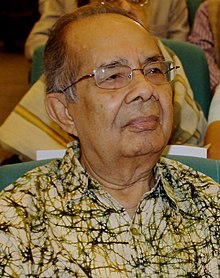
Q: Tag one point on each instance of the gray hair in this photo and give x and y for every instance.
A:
(60, 66)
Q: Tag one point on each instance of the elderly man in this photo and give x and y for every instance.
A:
(111, 207)
(29, 116)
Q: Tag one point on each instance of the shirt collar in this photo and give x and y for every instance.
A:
(79, 183)
(74, 177)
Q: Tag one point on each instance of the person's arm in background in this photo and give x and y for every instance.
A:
(178, 20)
(213, 132)
(50, 11)
(201, 35)
(169, 20)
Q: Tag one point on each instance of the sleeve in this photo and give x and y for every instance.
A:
(178, 20)
(23, 235)
(201, 35)
(30, 117)
(15, 251)
(212, 137)
(50, 11)
(169, 20)
(214, 110)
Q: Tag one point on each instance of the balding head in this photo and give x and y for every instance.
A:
(61, 65)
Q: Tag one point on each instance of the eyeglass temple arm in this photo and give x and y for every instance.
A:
(81, 78)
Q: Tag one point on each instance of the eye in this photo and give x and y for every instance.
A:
(153, 70)
(114, 76)
(111, 74)
(115, 80)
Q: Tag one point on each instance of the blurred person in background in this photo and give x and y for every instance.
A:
(205, 33)
(166, 19)
(212, 137)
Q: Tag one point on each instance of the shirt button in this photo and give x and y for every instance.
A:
(135, 232)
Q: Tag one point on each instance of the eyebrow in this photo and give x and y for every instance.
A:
(123, 61)
(154, 59)
(118, 62)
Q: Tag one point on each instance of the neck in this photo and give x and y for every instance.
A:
(126, 184)
(130, 196)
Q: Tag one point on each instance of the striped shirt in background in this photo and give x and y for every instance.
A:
(202, 36)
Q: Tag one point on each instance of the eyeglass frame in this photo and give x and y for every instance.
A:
(130, 75)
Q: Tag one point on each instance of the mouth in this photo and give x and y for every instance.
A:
(141, 124)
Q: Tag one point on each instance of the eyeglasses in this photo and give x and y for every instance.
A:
(136, 2)
(118, 76)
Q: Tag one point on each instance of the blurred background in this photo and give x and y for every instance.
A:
(17, 17)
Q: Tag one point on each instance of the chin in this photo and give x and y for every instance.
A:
(144, 143)
(145, 148)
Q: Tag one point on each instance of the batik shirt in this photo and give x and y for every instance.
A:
(57, 221)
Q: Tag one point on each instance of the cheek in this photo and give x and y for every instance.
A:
(106, 102)
(166, 101)
(166, 98)
(99, 108)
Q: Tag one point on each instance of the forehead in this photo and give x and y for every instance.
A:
(104, 37)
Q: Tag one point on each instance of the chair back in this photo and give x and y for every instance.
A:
(11, 172)
(192, 7)
(196, 68)
(37, 66)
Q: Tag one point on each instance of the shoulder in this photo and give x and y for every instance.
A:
(203, 8)
(58, 6)
(184, 178)
(27, 199)
(193, 191)
(179, 168)
(201, 13)
(31, 186)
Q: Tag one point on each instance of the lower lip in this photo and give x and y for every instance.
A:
(140, 125)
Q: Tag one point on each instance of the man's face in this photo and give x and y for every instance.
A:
(135, 10)
(127, 122)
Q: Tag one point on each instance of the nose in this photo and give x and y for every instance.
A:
(140, 89)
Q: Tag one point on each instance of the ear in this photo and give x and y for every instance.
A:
(57, 109)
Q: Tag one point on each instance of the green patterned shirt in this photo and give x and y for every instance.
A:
(57, 221)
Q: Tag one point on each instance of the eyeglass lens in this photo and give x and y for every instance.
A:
(115, 77)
